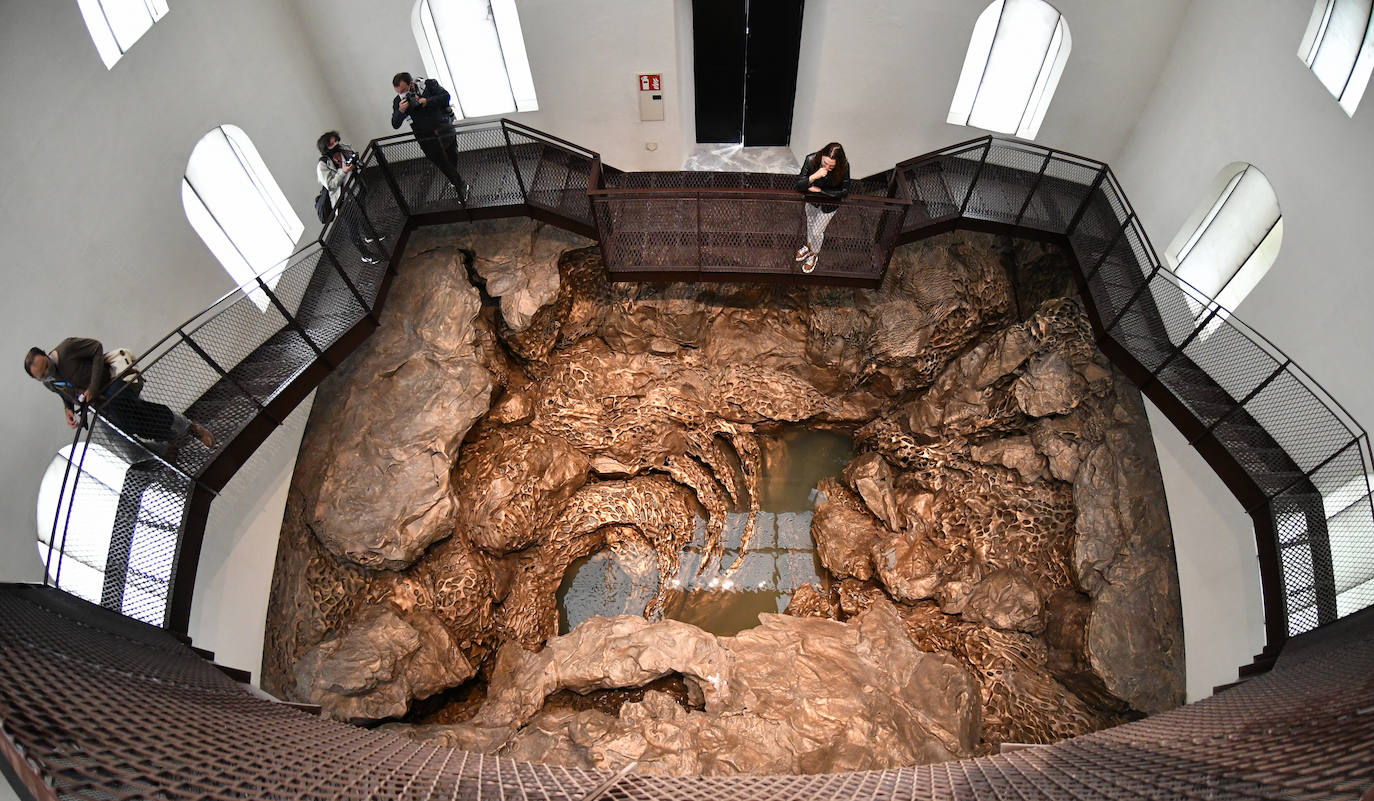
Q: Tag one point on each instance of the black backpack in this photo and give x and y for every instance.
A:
(323, 208)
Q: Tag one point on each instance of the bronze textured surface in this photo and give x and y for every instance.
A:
(1003, 504)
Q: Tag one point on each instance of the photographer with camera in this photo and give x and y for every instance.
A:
(337, 162)
(426, 103)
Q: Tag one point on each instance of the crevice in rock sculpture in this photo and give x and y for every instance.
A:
(997, 552)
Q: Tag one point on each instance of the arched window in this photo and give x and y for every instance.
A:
(116, 24)
(1013, 64)
(117, 554)
(236, 206)
(1339, 48)
(476, 50)
(1230, 241)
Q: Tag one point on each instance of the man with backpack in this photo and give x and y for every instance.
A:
(77, 371)
(427, 104)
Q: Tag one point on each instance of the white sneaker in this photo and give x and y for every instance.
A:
(810, 263)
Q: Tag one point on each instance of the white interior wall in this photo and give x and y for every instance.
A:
(879, 75)
(584, 57)
(96, 240)
(1235, 90)
(234, 577)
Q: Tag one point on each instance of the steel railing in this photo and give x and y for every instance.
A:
(1293, 456)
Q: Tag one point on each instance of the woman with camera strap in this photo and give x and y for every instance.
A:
(337, 162)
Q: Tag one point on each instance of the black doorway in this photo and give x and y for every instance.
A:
(745, 54)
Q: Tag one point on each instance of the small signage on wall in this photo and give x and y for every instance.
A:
(650, 96)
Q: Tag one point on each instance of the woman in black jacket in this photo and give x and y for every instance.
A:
(826, 173)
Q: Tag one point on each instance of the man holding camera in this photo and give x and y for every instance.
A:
(426, 103)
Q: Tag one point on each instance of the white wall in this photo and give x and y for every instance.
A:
(229, 606)
(584, 56)
(96, 242)
(1235, 90)
(879, 75)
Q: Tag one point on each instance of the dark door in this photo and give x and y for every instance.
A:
(745, 54)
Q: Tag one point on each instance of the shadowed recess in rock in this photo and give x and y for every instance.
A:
(727, 596)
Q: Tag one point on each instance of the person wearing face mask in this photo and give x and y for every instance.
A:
(824, 173)
(337, 163)
(428, 107)
(77, 372)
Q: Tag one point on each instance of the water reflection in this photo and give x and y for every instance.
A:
(780, 558)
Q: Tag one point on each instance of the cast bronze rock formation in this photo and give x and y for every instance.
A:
(1003, 512)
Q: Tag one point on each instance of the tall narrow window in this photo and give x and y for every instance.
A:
(236, 206)
(116, 24)
(1339, 48)
(1014, 61)
(1230, 241)
(476, 50)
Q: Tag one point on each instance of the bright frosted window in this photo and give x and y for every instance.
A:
(476, 50)
(1230, 241)
(77, 561)
(116, 24)
(1339, 48)
(1014, 61)
(237, 208)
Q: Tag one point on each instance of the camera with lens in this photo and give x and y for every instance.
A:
(413, 98)
(350, 159)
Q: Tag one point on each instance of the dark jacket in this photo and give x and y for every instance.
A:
(79, 368)
(832, 186)
(435, 114)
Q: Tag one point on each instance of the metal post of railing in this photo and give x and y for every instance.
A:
(67, 521)
(1111, 246)
(698, 203)
(1049, 154)
(391, 181)
(510, 151)
(1083, 207)
(292, 323)
(1178, 349)
(368, 310)
(973, 182)
(1134, 297)
(224, 375)
(351, 191)
(1240, 404)
(57, 512)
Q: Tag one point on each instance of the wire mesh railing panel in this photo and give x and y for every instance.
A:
(237, 330)
(1349, 512)
(419, 181)
(1231, 360)
(333, 301)
(751, 236)
(1005, 181)
(932, 197)
(649, 233)
(120, 519)
(1099, 229)
(1308, 431)
(485, 163)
